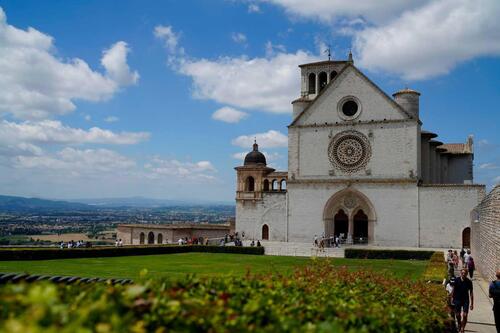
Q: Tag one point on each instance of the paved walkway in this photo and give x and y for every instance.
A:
(481, 318)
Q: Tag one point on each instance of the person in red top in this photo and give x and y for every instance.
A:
(462, 289)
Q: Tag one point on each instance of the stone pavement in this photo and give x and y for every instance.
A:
(481, 318)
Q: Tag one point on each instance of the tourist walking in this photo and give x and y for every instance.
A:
(462, 298)
(494, 292)
(471, 266)
(466, 258)
(462, 254)
(455, 259)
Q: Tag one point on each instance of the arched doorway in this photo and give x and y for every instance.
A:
(141, 238)
(266, 185)
(466, 238)
(354, 206)
(340, 223)
(160, 239)
(250, 184)
(265, 232)
(360, 227)
(151, 238)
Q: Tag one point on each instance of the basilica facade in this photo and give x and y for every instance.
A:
(359, 166)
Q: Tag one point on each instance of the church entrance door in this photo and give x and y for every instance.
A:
(360, 226)
(341, 223)
(265, 232)
(466, 238)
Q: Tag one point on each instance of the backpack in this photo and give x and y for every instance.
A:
(495, 289)
(471, 264)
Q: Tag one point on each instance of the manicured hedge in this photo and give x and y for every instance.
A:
(318, 298)
(388, 254)
(56, 253)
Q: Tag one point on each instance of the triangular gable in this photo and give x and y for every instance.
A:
(337, 81)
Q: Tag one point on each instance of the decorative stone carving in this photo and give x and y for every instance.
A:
(349, 151)
(350, 202)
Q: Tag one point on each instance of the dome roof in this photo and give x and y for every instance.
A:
(255, 156)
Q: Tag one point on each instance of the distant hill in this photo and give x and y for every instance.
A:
(21, 204)
(141, 202)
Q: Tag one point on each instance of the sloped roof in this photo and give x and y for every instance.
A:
(325, 62)
(363, 76)
(456, 148)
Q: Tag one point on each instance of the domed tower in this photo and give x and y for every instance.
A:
(250, 176)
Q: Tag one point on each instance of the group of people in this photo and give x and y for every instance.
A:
(254, 244)
(332, 241)
(453, 259)
(73, 244)
(460, 288)
(118, 243)
(192, 241)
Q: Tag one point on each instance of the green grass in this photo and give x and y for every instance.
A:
(205, 264)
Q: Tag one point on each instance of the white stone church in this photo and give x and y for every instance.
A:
(361, 166)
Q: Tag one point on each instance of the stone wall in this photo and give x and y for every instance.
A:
(394, 207)
(485, 234)
(252, 215)
(445, 213)
(130, 234)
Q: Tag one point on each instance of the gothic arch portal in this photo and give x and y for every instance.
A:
(358, 208)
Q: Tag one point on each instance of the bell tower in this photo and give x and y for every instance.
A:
(250, 176)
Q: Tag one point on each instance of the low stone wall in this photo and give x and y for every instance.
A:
(485, 234)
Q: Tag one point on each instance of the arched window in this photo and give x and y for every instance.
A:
(312, 83)
(275, 185)
(333, 74)
(160, 239)
(250, 184)
(283, 185)
(151, 238)
(141, 238)
(265, 232)
(266, 185)
(323, 78)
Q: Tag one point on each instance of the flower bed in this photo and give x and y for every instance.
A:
(56, 253)
(317, 298)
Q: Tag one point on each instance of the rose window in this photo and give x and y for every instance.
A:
(349, 151)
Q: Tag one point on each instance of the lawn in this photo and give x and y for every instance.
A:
(206, 264)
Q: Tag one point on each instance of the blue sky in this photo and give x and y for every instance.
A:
(161, 98)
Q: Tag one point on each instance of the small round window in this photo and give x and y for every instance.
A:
(349, 108)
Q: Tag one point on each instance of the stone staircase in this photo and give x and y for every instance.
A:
(299, 250)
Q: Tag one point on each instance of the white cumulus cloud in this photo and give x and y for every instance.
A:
(194, 171)
(433, 39)
(239, 37)
(229, 115)
(267, 84)
(114, 61)
(78, 162)
(168, 36)
(328, 11)
(36, 84)
(54, 132)
(111, 119)
(269, 139)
